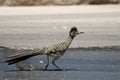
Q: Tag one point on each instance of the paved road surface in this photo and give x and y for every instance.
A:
(77, 65)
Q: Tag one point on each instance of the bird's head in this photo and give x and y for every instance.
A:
(74, 32)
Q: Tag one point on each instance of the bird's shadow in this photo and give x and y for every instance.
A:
(62, 70)
(45, 70)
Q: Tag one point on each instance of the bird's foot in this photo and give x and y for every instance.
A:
(59, 69)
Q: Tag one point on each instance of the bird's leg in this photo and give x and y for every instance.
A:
(53, 62)
(47, 63)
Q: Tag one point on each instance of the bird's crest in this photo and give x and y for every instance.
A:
(73, 29)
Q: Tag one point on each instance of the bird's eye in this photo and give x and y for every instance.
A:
(73, 33)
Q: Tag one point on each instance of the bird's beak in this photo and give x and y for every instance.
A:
(80, 32)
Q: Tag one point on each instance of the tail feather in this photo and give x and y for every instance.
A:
(12, 59)
(15, 56)
(16, 60)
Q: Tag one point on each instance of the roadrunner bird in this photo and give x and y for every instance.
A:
(55, 51)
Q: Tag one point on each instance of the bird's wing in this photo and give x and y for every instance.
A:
(55, 48)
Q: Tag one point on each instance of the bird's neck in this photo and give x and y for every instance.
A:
(68, 41)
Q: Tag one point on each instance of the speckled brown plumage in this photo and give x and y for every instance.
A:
(55, 51)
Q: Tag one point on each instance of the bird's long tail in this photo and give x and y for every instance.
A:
(12, 59)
